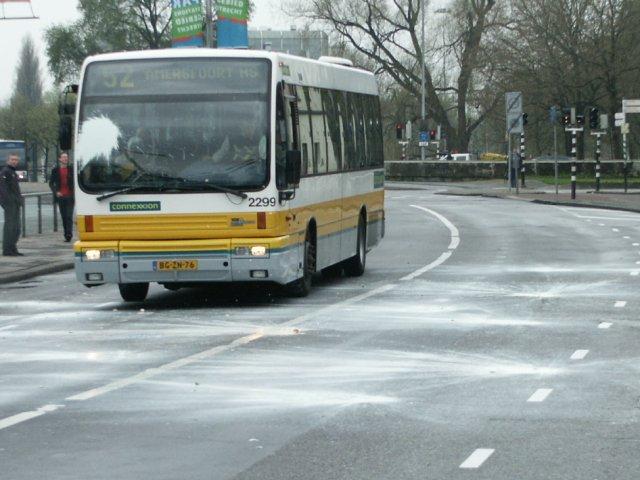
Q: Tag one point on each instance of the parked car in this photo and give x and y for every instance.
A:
(456, 157)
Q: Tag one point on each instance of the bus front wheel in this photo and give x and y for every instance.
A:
(133, 292)
(302, 286)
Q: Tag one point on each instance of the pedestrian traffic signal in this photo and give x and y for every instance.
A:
(525, 118)
(580, 120)
(594, 118)
(432, 134)
(566, 117)
(399, 130)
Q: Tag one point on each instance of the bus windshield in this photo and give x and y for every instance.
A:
(159, 124)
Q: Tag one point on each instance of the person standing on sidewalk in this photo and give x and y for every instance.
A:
(61, 184)
(10, 200)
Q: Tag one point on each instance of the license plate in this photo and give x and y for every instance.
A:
(164, 265)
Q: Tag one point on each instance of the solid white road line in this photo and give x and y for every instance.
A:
(540, 395)
(477, 458)
(7, 327)
(579, 354)
(439, 261)
(455, 234)
(152, 372)
(604, 325)
(620, 304)
(24, 416)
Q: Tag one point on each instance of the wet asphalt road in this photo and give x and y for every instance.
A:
(489, 339)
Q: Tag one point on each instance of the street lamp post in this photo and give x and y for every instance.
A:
(423, 8)
(444, 60)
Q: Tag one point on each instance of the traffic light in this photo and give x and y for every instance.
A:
(525, 118)
(566, 117)
(594, 118)
(580, 120)
(399, 130)
(432, 134)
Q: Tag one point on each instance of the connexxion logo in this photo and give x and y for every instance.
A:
(134, 206)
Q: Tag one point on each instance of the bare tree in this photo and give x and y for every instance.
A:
(388, 32)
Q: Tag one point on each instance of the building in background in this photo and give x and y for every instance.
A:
(305, 43)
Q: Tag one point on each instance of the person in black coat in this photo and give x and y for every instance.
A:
(10, 200)
(61, 184)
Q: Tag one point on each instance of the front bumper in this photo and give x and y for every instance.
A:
(137, 261)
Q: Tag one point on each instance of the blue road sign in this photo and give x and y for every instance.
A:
(424, 136)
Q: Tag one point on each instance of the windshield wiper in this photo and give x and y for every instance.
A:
(132, 188)
(191, 185)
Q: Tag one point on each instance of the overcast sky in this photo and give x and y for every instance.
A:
(268, 14)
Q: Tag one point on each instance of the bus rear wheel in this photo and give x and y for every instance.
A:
(133, 292)
(302, 286)
(354, 266)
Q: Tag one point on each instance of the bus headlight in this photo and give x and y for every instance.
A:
(260, 251)
(93, 255)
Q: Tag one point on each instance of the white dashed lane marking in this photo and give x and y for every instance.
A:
(477, 458)
(615, 230)
(540, 395)
(579, 354)
(634, 273)
(24, 416)
(626, 237)
(604, 325)
(620, 304)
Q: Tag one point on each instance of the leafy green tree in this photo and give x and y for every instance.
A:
(28, 75)
(106, 26)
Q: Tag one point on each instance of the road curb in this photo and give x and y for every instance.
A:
(28, 273)
(586, 205)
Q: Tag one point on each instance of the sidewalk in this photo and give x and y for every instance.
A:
(538, 192)
(45, 253)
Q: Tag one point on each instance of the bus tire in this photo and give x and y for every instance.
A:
(302, 286)
(354, 266)
(133, 292)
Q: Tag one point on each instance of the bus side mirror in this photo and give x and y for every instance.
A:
(293, 167)
(65, 133)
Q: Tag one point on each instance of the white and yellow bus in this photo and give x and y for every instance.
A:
(199, 165)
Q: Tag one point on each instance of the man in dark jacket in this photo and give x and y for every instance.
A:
(61, 184)
(10, 200)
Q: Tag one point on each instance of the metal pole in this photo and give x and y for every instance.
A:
(598, 162)
(55, 214)
(509, 161)
(209, 24)
(423, 8)
(555, 156)
(522, 155)
(40, 214)
(625, 154)
(574, 167)
(24, 217)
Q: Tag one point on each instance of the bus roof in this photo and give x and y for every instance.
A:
(291, 68)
